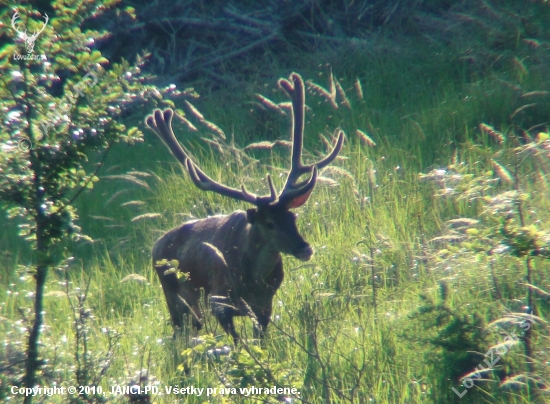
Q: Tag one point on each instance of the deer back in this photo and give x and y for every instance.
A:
(219, 253)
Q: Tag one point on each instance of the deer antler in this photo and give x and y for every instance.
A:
(13, 19)
(161, 123)
(294, 193)
(35, 35)
(292, 188)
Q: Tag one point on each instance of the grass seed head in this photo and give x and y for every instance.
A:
(214, 128)
(194, 111)
(365, 138)
(270, 104)
(501, 172)
(317, 89)
(359, 89)
(499, 137)
(345, 101)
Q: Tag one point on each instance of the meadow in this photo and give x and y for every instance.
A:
(431, 238)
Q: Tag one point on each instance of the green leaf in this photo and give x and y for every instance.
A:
(96, 57)
(257, 350)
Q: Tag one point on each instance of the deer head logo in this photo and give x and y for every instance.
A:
(29, 39)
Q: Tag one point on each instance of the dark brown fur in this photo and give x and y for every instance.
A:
(236, 262)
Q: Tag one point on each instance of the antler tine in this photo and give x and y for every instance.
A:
(334, 152)
(296, 92)
(161, 123)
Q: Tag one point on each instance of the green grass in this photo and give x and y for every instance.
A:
(422, 110)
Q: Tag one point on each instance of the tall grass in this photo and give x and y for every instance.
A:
(348, 326)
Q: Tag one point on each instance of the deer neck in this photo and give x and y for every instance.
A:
(260, 255)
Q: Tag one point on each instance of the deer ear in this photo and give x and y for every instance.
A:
(299, 200)
(251, 215)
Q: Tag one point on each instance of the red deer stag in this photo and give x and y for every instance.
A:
(236, 258)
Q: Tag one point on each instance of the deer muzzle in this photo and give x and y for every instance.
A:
(304, 253)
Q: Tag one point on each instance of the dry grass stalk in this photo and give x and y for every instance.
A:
(147, 216)
(522, 108)
(215, 250)
(139, 173)
(542, 177)
(359, 89)
(285, 105)
(462, 222)
(264, 145)
(332, 86)
(499, 137)
(520, 66)
(345, 101)
(419, 128)
(284, 143)
(102, 218)
(533, 43)
(288, 106)
(129, 178)
(214, 128)
(55, 293)
(210, 125)
(194, 111)
(325, 141)
(365, 138)
(317, 89)
(134, 277)
(133, 203)
(215, 144)
(187, 123)
(338, 171)
(535, 93)
(511, 86)
(270, 104)
(117, 194)
(502, 172)
(327, 181)
(448, 238)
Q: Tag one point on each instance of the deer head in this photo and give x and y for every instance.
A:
(29, 39)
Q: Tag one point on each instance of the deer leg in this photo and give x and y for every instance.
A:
(189, 297)
(224, 311)
(260, 327)
(170, 286)
(228, 325)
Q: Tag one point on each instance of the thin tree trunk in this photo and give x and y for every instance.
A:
(32, 350)
(40, 277)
